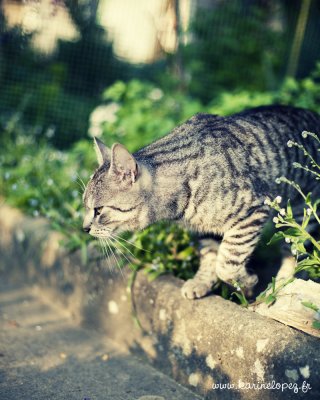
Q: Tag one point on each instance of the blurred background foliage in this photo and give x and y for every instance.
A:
(217, 56)
(220, 48)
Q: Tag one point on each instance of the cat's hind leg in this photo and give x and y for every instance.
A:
(206, 276)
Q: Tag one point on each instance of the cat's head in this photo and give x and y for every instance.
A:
(116, 194)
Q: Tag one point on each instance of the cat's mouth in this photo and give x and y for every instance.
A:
(100, 236)
(105, 233)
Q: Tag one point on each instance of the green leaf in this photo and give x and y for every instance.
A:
(310, 305)
(270, 299)
(276, 238)
(308, 199)
(263, 294)
(154, 274)
(292, 232)
(289, 210)
(273, 283)
(308, 262)
(185, 253)
(241, 297)
(224, 290)
(300, 247)
(316, 325)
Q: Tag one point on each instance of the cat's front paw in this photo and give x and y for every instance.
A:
(195, 289)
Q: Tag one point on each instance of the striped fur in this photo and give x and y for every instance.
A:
(211, 173)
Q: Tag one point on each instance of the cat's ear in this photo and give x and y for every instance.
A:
(103, 153)
(123, 164)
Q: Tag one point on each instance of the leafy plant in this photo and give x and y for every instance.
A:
(296, 233)
(166, 248)
(136, 113)
(240, 295)
(313, 307)
(269, 295)
(45, 182)
(301, 93)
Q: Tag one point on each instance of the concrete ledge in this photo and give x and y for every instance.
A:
(199, 343)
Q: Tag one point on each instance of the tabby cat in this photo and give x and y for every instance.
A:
(212, 173)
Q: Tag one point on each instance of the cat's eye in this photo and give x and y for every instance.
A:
(97, 211)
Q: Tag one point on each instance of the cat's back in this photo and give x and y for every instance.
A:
(277, 121)
(268, 129)
(259, 136)
(185, 135)
(254, 141)
(274, 122)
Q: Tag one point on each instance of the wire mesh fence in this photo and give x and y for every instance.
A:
(57, 57)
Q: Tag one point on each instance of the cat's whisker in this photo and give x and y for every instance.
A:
(118, 250)
(128, 260)
(121, 244)
(132, 244)
(110, 263)
(81, 183)
(81, 180)
(113, 254)
(123, 254)
(102, 247)
(106, 253)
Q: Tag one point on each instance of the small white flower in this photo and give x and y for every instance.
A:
(287, 240)
(304, 134)
(294, 252)
(278, 181)
(33, 202)
(278, 199)
(290, 143)
(50, 132)
(267, 202)
(309, 211)
(100, 115)
(104, 113)
(49, 182)
(58, 155)
(155, 94)
(275, 220)
(282, 212)
(95, 131)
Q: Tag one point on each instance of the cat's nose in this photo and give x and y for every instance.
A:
(87, 229)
